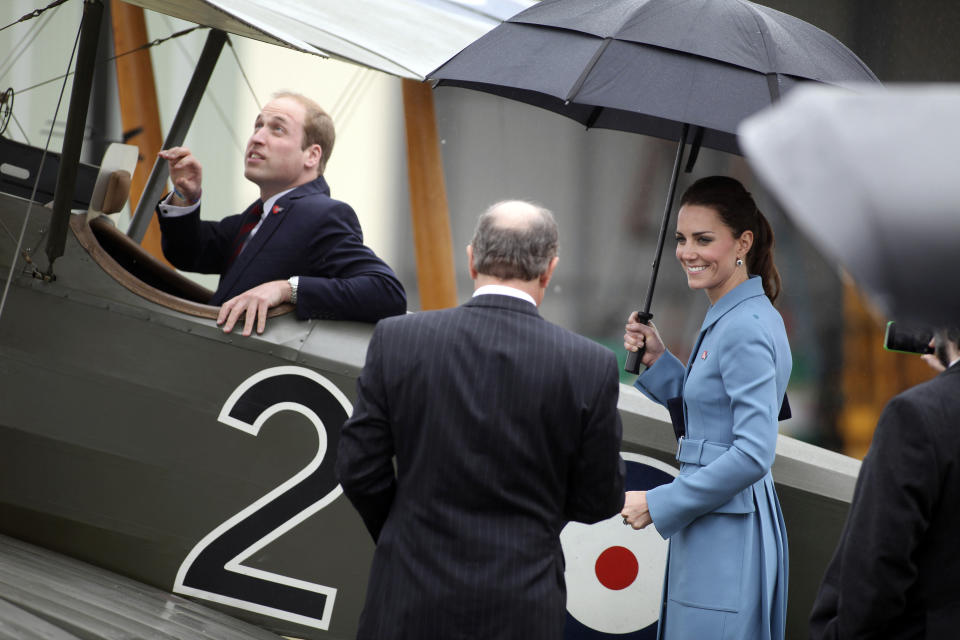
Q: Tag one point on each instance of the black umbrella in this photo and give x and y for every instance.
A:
(685, 70)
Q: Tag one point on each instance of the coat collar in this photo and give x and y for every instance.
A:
(314, 187)
(752, 288)
(493, 300)
(954, 370)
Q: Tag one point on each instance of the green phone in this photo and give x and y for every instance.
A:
(907, 339)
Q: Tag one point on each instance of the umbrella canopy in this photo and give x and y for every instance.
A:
(655, 67)
(405, 39)
(649, 65)
(873, 179)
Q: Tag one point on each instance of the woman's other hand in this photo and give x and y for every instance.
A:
(635, 511)
(638, 335)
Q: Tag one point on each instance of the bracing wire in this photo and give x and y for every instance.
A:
(35, 13)
(152, 43)
(13, 117)
(36, 183)
(344, 96)
(209, 94)
(8, 232)
(24, 45)
(244, 74)
(345, 106)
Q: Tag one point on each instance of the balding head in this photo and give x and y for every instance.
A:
(514, 240)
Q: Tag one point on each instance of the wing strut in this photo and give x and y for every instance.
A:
(76, 122)
(178, 132)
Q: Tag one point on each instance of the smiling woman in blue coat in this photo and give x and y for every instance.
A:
(727, 565)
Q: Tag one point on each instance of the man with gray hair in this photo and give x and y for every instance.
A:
(504, 427)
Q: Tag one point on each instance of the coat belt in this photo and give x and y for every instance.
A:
(701, 452)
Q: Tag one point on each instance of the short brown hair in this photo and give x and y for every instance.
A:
(317, 126)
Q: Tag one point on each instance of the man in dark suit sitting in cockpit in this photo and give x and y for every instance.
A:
(295, 244)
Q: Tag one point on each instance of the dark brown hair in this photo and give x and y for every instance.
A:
(736, 208)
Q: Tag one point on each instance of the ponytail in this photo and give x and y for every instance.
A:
(760, 258)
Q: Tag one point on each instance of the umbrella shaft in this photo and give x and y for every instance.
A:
(633, 357)
(661, 239)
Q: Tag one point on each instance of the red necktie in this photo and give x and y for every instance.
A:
(251, 221)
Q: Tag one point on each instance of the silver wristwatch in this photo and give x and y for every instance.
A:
(293, 281)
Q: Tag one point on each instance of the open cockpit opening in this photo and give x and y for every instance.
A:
(136, 269)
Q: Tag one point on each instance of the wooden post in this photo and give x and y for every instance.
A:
(138, 104)
(871, 375)
(436, 274)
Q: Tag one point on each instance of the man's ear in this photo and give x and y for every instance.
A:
(545, 277)
(473, 271)
(313, 155)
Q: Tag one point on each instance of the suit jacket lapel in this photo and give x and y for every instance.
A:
(283, 207)
(271, 223)
(749, 289)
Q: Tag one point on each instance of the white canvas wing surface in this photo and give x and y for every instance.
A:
(407, 39)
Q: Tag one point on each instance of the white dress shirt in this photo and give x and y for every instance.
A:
(172, 211)
(503, 290)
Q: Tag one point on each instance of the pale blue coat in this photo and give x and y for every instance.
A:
(727, 565)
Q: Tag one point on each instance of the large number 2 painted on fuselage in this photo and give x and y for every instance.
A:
(214, 570)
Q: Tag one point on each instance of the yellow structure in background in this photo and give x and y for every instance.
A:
(871, 375)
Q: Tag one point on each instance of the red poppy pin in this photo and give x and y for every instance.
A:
(276, 209)
(703, 356)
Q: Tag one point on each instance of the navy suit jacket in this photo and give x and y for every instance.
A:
(504, 427)
(896, 571)
(309, 235)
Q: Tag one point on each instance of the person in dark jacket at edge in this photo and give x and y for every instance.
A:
(896, 570)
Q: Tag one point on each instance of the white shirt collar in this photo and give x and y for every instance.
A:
(503, 290)
(272, 200)
(267, 206)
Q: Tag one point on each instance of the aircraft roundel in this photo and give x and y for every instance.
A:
(614, 574)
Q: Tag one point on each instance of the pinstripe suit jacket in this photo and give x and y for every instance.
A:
(504, 427)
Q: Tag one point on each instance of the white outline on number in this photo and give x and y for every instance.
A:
(235, 565)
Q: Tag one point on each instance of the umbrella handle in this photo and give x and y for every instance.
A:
(633, 357)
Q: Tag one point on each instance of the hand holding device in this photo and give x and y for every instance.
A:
(908, 339)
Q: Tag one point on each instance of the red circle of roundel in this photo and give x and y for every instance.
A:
(617, 568)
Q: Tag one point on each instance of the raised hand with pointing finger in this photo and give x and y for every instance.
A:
(185, 173)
